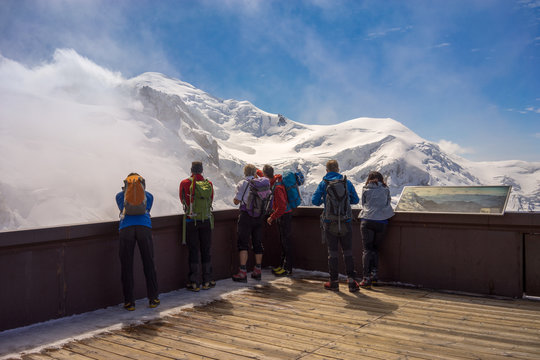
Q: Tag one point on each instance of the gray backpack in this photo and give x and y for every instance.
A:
(337, 209)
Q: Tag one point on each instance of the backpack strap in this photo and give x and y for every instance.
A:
(244, 193)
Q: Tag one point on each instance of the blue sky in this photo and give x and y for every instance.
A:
(463, 73)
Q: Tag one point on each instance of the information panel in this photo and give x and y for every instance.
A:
(454, 199)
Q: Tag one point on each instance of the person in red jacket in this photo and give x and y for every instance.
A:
(283, 217)
(198, 234)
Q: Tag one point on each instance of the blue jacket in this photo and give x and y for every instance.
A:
(319, 197)
(131, 220)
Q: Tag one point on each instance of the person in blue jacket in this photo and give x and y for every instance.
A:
(137, 229)
(345, 237)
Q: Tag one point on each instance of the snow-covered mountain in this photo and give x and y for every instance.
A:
(71, 131)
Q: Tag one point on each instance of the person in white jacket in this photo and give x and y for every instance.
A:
(374, 216)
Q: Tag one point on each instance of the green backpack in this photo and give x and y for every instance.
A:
(200, 207)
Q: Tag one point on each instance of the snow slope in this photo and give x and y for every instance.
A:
(71, 131)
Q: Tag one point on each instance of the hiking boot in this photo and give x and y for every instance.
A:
(256, 273)
(365, 283)
(353, 286)
(283, 273)
(332, 285)
(154, 303)
(193, 287)
(208, 285)
(277, 269)
(241, 276)
(129, 306)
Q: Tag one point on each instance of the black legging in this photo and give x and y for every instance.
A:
(373, 233)
(199, 241)
(142, 236)
(333, 242)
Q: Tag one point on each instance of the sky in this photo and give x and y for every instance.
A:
(463, 73)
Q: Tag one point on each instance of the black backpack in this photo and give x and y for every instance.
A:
(337, 209)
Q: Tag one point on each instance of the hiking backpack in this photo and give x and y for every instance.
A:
(134, 196)
(291, 181)
(337, 209)
(258, 196)
(200, 205)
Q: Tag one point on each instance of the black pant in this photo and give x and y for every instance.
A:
(285, 228)
(250, 227)
(142, 236)
(333, 242)
(373, 234)
(199, 241)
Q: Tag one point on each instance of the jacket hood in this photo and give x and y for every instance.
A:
(332, 176)
(277, 178)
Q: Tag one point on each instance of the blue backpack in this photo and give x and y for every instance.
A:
(291, 181)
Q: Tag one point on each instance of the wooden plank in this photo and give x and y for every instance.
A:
(63, 354)
(105, 342)
(150, 347)
(517, 305)
(467, 326)
(335, 305)
(511, 325)
(191, 344)
(456, 306)
(326, 313)
(260, 328)
(211, 342)
(421, 349)
(82, 348)
(296, 321)
(273, 310)
(254, 344)
(262, 338)
(336, 350)
(471, 345)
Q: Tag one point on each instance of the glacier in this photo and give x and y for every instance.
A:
(71, 131)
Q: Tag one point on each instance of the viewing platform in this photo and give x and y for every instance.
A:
(454, 290)
(295, 318)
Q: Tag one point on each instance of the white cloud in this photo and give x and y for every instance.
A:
(441, 45)
(385, 32)
(453, 148)
(533, 109)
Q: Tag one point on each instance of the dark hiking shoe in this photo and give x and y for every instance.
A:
(256, 273)
(365, 283)
(353, 286)
(154, 303)
(208, 285)
(193, 287)
(332, 285)
(241, 276)
(129, 306)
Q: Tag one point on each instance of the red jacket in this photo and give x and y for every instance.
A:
(280, 196)
(184, 193)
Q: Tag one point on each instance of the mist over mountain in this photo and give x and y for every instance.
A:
(71, 131)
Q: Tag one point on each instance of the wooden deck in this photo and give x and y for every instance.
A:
(298, 319)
